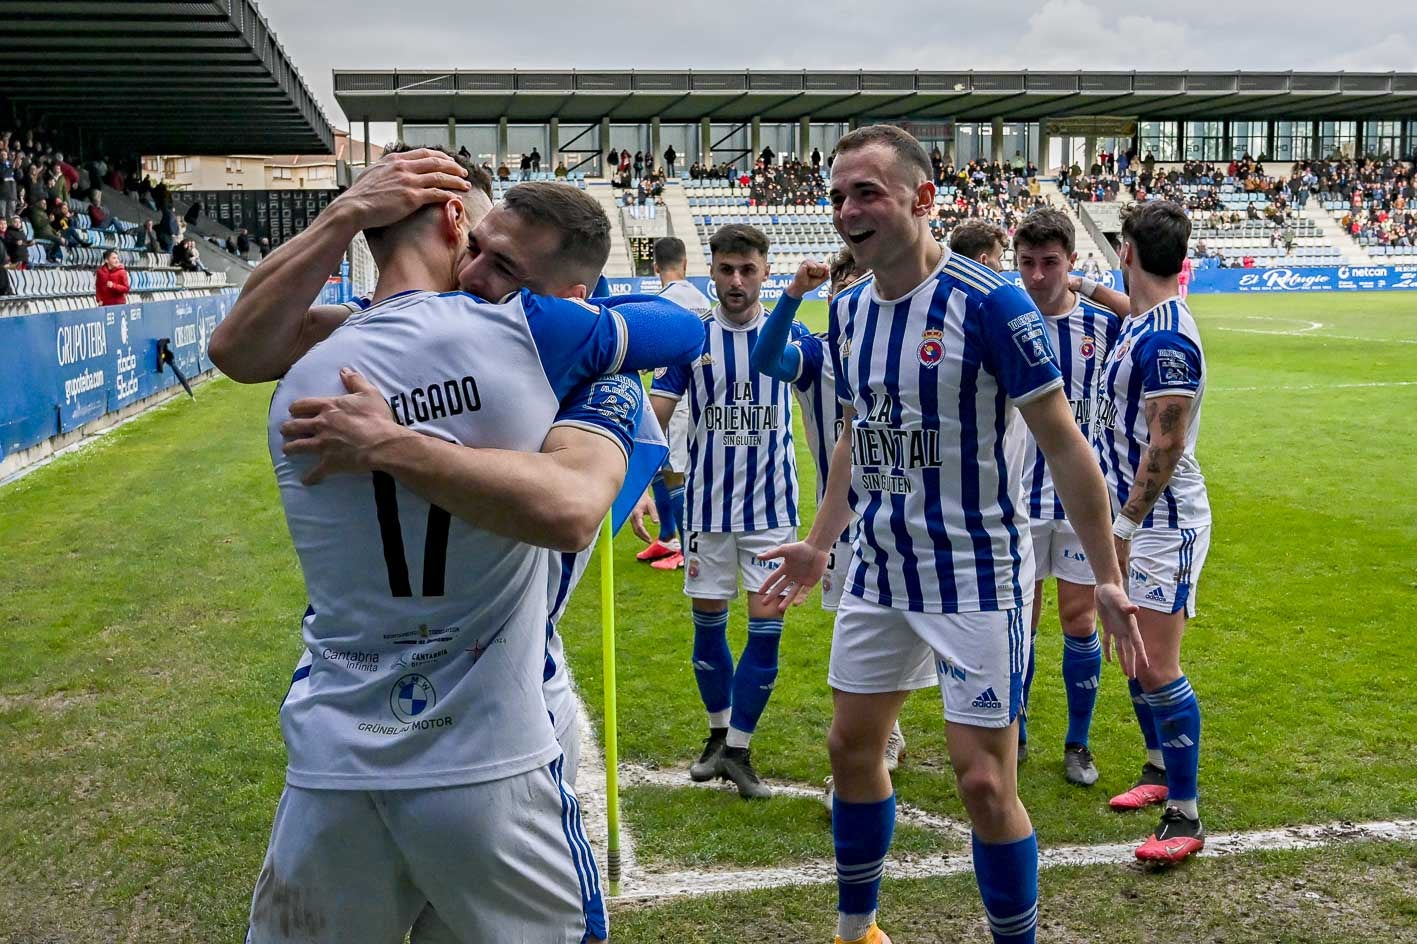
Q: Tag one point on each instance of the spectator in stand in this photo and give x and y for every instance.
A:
(99, 218)
(266, 246)
(193, 214)
(670, 157)
(148, 240)
(560, 170)
(816, 161)
(525, 167)
(6, 287)
(71, 173)
(44, 229)
(767, 156)
(168, 228)
(504, 173)
(63, 222)
(9, 192)
(243, 243)
(17, 245)
(639, 164)
(111, 280)
(535, 161)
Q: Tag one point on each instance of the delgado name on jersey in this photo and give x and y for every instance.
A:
(425, 637)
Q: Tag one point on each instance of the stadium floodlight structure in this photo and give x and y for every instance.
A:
(192, 77)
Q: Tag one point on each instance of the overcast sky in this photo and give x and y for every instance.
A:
(1302, 35)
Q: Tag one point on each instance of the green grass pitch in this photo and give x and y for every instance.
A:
(149, 625)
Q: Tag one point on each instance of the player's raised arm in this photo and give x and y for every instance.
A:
(578, 340)
(272, 323)
(771, 354)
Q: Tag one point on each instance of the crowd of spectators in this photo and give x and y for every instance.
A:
(997, 192)
(787, 183)
(1380, 195)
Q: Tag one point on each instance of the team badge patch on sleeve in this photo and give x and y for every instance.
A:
(932, 347)
(1172, 368)
(1030, 338)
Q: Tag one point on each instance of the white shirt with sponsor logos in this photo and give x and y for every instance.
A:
(425, 638)
(1158, 354)
(1081, 339)
(936, 442)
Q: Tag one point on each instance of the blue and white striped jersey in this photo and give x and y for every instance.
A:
(821, 414)
(1158, 353)
(425, 638)
(1082, 339)
(936, 442)
(742, 469)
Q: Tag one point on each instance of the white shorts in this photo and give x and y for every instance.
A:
(678, 436)
(1057, 552)
(713, 561)
(977, 659)
(1164, 567)
(505, 860)
(838, 562)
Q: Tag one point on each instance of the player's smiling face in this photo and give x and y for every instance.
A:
(876, 205)
(1045, 271)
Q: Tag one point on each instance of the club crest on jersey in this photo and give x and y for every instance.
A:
(660, 372)
(1088, 347)
(704, 361)
(932, 347)
(693, 568)
(845, 348)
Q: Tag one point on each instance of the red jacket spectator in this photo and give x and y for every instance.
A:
(70, 173)
(111, 281)
(97, 215)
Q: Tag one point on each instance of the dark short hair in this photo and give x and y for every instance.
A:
(1046, 225)
(908, 150)
(583, 225)
(670, 251)
(476, 176)
(1160, 231)
(110, 252)
(975, 237)
(739, 238)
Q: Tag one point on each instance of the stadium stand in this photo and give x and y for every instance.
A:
(55, 239)
(1374, 202)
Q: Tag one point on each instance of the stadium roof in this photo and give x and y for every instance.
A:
(476, 96)
(206, 77)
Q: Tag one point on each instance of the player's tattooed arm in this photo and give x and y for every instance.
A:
(1166, 422)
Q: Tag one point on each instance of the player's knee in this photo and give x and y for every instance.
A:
(985, 790)
(1158, 674)
(852, 750)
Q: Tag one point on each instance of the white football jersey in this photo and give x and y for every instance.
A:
(1158, 353)
(425, 637)
(1081, 339)
(683, 294)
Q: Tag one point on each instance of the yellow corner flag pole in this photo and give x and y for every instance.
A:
(612, 750)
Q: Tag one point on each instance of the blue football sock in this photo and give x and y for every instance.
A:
(676, 504)
(1027, 687)
(756, 675)
(663, 507)
(1082, 671)
(1145, 718)
(1007, 874)
(1178, 717)
(862, 834)
(713, 660)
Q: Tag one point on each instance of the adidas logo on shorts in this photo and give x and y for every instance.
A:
(1156, 594)
(987, 699)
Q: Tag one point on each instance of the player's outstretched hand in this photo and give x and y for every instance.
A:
(339, 431)
(802, 566)
(644, 509)
(810, 276)
(401, 183)
(1119, 627)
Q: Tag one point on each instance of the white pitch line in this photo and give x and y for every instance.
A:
(905, 813)
(1285, 388)
(641, 885)
(680, 884)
